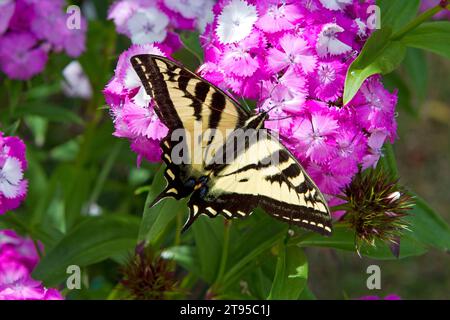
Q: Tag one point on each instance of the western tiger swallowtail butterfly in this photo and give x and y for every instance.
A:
(185, 101)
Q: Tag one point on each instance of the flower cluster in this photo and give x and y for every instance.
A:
(18, 257)
(292, 57)
(132, 108)
(155, 21)
(146, 277)
(13, 186)
(29, 30)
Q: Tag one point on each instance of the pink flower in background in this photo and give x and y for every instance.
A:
(20, 56)
(30, 30)
(153, 21)
(292, 57)
(132, 108)
(18, 257)
(13, 186)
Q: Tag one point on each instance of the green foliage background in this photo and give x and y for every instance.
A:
(75, 164)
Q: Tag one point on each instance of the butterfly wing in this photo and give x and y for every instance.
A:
(189, 105)
(267, 175)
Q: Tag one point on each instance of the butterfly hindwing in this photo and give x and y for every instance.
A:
(268, 176)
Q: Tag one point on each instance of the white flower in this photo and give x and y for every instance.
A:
(76, 83)
(327, 42)
(190, 9)
(10, 176)
(148, 26)
(207, 16)
(236, 21)
(335, 4)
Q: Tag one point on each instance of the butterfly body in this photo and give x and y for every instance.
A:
(220, 155)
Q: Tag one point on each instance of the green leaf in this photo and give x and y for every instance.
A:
(208, 235)
(91, 241)
(379, 55)
(388, 160)
(432, 36)
(396, 14)
(48, 111)
(156, 219)
(290, 275)
(428, 227)
(416, 66)
(252, 243)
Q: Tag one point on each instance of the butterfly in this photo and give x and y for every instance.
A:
(207, 121)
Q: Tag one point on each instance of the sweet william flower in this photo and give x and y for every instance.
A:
(132, 108)
(295, 54)
(328, 42)
(147, 26)
(76, 83)
(7, 9)
(236, 21)
(278, 16)
(13, 187)
(18, 258)
(21, 57)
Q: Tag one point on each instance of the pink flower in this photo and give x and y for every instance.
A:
(132, 108)
(20, 56)
(278, 16)
(327, 83)
(316, 137)
(17, 259)
(295, 53)
(29, 30)
(13, 186)
(7, 9)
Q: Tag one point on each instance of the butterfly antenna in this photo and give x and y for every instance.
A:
(287, 117)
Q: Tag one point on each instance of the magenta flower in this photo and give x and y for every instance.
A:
(18, 258)
(7, 9)
(153, 21)
(278, 16)
(20, 56)
(30, 30)
(132, 108)
(295, 53)
(13, 186)
(316, 137)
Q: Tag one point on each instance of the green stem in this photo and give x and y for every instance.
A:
(103, 175)
(416, 22)
(224, 258)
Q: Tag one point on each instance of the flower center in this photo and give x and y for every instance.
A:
(148, 28)
(326, 74)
